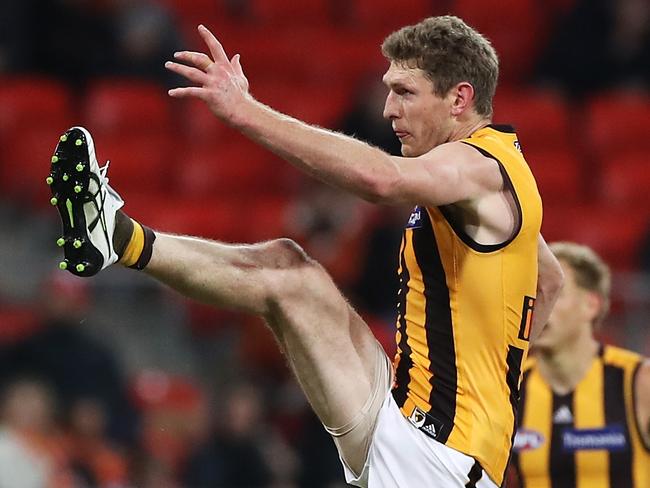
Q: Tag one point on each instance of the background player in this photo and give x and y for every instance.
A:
(584, 417)
(472, 240)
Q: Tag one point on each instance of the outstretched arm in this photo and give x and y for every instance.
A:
(448, 174)
(549, 283)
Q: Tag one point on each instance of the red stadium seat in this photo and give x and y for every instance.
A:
(33, 103)
(200, 125)
(300, 54)
(214, 218)
(25, 163)
(389, 14)
(290, 12)
(320, 104)
(267, 219)
(541, 118)
(116, 107)
(194, 12)
(237, 168)
(140, 164)
(614, 232)
(18, 323)
(558, 175)
(515, 28)
(618, 122)
(625, 180)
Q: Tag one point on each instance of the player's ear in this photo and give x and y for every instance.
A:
(463, 96)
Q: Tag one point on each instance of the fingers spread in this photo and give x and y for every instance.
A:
(199, 60)
(194, 75)
(189, 92)
(216, 49)
(236, 64)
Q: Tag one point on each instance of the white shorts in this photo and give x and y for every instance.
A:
(402, 456)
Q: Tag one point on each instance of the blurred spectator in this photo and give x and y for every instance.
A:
(75, 363)
(14, 38)
(243, 451)
(645, 253)
(147, 37)
(93, 460)
(31, 448)
(72, 39)
(378, 282)
(174, 418)
(366, 121)
(599, 45)
(77, 40)
(330, 225)
(319, 460)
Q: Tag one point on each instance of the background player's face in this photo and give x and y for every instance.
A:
(420, 119)
(571, 316)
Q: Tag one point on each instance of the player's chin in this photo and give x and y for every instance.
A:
(409, 151)
(545, 341)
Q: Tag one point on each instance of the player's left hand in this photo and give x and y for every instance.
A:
(222, 83)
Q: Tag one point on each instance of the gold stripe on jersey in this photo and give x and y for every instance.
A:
(462, 327)
(587, 438)
(590, 414)
(536, 416)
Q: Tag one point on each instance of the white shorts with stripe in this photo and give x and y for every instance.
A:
(402, 456)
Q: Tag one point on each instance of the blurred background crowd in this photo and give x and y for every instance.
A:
(117, 382)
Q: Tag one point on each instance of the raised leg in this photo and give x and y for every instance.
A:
(328, 346)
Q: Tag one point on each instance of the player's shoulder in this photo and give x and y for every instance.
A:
(618, 356)
(461, 153)
(642, 376)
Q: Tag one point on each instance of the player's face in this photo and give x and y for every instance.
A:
(420, 119)
(573, 312)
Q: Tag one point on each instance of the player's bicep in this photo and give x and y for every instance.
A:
(449, 174)
(422, 182)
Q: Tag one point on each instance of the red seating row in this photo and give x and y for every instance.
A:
(312, 12)
(614, 232)
(611, 123)
(517, 28)
(166, 149)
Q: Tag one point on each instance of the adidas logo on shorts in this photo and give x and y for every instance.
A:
(426, 423)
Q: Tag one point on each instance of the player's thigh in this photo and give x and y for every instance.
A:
(328, 345)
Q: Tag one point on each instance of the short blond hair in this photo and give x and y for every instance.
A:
(449, 52)
(591, 272)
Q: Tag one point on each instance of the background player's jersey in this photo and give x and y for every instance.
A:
(465, 311)
(588, 437)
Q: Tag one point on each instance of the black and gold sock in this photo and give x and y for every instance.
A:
(133, 242)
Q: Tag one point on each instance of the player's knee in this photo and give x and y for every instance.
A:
(291, 275)
(287, 254)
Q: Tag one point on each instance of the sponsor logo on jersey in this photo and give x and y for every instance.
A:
(415, 220)
(526, 439)
(610, 438)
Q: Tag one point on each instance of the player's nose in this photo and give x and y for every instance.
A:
(391, 108)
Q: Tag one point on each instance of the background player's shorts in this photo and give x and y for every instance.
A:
(403, 456)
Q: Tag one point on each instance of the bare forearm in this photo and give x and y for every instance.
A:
(332, 157)
(543, 307)
(550, 279)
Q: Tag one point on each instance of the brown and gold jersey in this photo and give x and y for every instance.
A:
(464, 317)
(586, 438)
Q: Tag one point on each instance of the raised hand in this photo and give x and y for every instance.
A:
(222, 84)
